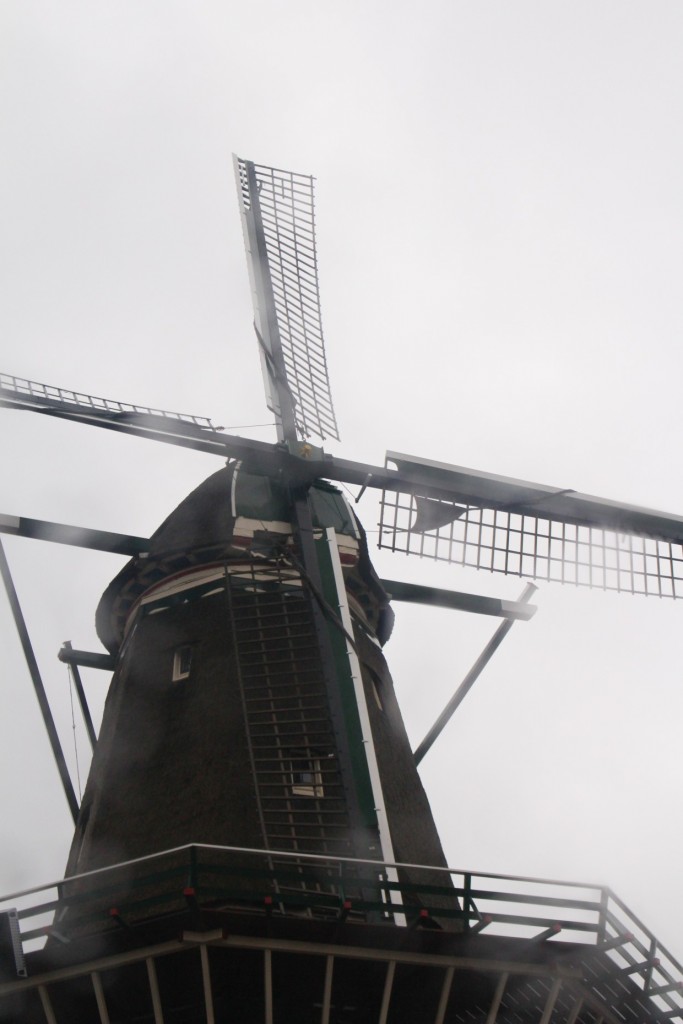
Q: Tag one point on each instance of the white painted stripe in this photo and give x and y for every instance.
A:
(245, 526)
(176, 584)
(366, 728)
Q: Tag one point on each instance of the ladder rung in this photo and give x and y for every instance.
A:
(274, 617)
(279, 769)
(321, 812)
(300, 720)
(303, 675)
(337, 840)
(322, 755)
(269, 685)
(281, 710)
(279, 801)
(330, 775)
(321, 832)
(275, 643)
(277, 798)
(302, 731)
(270, 663)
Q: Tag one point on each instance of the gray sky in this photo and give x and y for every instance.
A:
(499, 230)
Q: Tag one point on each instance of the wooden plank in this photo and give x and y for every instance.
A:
(386, 995)
(154, 989)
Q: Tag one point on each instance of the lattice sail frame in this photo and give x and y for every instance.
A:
(535, 547)
(282, 214)
(28, 392)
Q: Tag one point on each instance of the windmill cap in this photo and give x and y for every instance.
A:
(201, 530)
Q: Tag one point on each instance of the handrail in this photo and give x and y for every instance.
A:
(298, 855)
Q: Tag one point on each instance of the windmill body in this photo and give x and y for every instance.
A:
(223, 725)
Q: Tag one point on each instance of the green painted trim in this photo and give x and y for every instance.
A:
(344, 679)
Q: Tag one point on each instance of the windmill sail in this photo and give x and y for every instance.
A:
(534, 532)
(18, 393)
(278, 219)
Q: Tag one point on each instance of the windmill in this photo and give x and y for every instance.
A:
(306, 567)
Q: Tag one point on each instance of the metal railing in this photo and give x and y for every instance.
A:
(591, 917)
(47, 393)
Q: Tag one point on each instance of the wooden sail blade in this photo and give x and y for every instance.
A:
(278, 219)
(425, 478)
(532, 531)
(536, 547)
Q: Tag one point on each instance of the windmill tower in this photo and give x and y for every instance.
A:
(254, 841)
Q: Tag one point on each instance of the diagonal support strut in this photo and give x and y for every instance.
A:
(470, 679)
(34, 671)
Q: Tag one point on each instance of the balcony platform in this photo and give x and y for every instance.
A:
(514, 951)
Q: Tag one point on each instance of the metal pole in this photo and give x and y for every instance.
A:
(386, 995)
(552, 999)
(99, 997)
(47, 1005)
(470, 679)
(268, 983)
(154, 991)
(80, 693)
(206, 980)
(327, 991)
(575, 1011)
(436, 597)
(497, 998)
(445, 993)
(32, 665)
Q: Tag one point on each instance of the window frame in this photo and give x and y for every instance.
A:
(306, 779)
(183, 657)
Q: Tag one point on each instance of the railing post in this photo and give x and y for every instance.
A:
(650, 964)
(467, 899)
(192, 877)
(602, 916)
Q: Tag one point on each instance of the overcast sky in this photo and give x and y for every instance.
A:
(500, 225)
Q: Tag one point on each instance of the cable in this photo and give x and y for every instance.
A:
(73, 727)
(247, 426)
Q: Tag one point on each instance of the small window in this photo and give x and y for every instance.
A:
(182, 660)
(305, 775)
